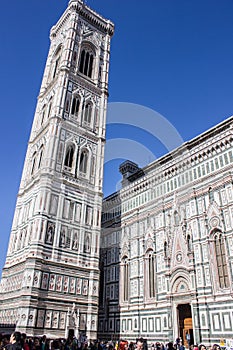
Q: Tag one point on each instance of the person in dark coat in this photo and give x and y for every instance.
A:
(15, 342)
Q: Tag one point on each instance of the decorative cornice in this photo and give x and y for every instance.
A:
(92, 17)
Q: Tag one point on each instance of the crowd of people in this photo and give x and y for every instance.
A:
(20, 341)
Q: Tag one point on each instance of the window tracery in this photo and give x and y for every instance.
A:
(87, 118)
(221, 260)
(151, 275)
(87, 61)
(75, 106)
(69, 157)
(125, 279)
(83, 162)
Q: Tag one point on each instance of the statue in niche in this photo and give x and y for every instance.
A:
(75, 319)
(87, 244)
(78, 212)
(50, 233)
(89, 214)
(63, 239)
(75, 242)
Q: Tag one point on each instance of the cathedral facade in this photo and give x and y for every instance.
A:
(50, 280)
(167, 246)
(162, 266)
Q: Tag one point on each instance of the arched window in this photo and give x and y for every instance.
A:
(49, 108)
(221, 260)
(151, 275)
(33, 163)
(40, 156)
(83, 161)
(42, 115)
(87, 113)
(56, 62)
(69, 157)
(86, 62)
(75, 106)
(56, 67)
(125, 280)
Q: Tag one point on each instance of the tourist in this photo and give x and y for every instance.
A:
(15, 342)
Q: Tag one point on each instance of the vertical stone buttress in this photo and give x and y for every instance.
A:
(51, 272)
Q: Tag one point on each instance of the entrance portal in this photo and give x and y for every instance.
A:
(185, 324)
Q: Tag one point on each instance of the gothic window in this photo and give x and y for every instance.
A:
(42, 115)
(49, 108)
(75, 106)
(83, 162)
(33, 163)
(87, 118)
(56, 62)
(69, 157)
(40, 156)
(86, 61)
(125, 280)
(56, 67)
(151, 275)
(221, 260)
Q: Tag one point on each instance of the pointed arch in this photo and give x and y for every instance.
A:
(75, 106)
(180, 281)
(41, 151)
(86, 62)
(56, 62)
(49, 108)
(69, 157)
(33, 163)
(221, 258)
(43, 115)
(88, 113)
(83, 161)
(125, 275)
(150, 273)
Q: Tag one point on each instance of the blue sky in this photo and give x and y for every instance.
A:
(172, 56)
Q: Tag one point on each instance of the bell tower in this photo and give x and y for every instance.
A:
(51, 273)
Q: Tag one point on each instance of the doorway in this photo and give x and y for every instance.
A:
(185, 324)
(71, 333)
